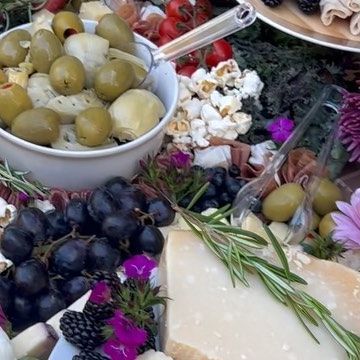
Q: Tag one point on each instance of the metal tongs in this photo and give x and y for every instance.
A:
(330, 98)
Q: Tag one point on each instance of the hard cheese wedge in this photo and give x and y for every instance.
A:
(208, 319)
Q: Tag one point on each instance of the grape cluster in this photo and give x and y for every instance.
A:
(58, 255)
(222, 189)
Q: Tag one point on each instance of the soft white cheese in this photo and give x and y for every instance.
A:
(153, 355)
(6, 350)
(207, 318)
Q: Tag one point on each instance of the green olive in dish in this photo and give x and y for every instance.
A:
(12, 50)
(45, 48)
(113, 28)
(39, 126)
(93, 126)
(67, 75)
(67, 23)
(3, 77)
(326, 196)
(281, 204)
(113, 79)
(13, 101)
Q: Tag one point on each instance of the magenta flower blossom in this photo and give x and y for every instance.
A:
(101, 293)
(23, 197)
(139, 267)
(118, 351)
(281, 129)
(347, 224)
(180, 159)
(126, 330)
(349, 125)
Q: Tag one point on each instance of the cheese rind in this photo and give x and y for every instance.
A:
(208, 319)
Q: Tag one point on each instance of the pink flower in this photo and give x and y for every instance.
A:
(180, 159)
(347, 224)
(126, 330)
(118, 351)
(281, 129)
(349, 125)
(139, 267)
(101, 293)
(23, 197)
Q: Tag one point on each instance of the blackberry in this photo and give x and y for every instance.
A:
(272, 3)
(110, 278)
(131, 284)
(99, 312)
(89, 355)
(81, 331)
(309, 7)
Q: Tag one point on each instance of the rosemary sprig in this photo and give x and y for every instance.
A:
(16, 181)
(236, 249)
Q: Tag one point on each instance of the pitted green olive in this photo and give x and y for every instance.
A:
(93, 126)
(39, 126)
(325, 197)
(67, 75)
(326, 225)
(12, 53)
(113, 79)
(45, 48)
(281, 204)
(13, 101)
(3, 77)
(66, 23)
(113, 28)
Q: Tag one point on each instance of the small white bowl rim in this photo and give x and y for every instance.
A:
(101, 152)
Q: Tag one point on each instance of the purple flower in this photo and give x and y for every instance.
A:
(23, 197)
(139, 267)
(180, 159)
(281, 129)
(349, 125)
(3, 319)
(126, 330)
(118, 351)
(347, 223)
(101, 293)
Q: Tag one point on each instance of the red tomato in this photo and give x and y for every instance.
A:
(204, 7)
(201, 18)
(187, 70)
(180, 9)
(172, 27)
(164, 39)
(221, 50)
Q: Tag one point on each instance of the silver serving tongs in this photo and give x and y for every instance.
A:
(331, 98)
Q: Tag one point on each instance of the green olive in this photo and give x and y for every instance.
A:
(66, 23)
(325, 197)
(113, 79)
(11, 51)
(113, 28)
(39, 126)
(67, 75)
(13, 101)
(281, 204)
(315, 220)
(93, 126)
(3, 77)
(45, 48)
(327, 225)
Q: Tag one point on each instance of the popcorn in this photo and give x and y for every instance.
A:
(8, 213)
(210, 105)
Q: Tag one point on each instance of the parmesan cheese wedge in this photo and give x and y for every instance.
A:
(208, 319)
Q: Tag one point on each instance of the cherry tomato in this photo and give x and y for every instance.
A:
(204, 7)
(172, 27)
(201, 18)
(164, 39)
(221, 50)
(180, 9)
(187, 70)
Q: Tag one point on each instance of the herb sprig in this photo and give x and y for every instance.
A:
(236, 249)
(16, 181)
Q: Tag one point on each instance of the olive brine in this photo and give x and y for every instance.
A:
(58, 255)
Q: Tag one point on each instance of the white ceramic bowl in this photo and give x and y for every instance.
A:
(76, 170)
